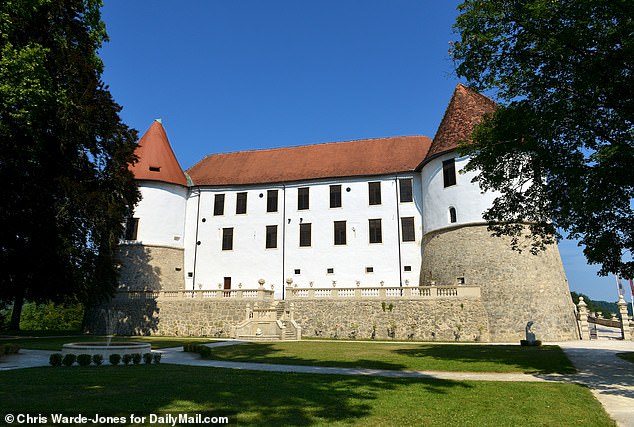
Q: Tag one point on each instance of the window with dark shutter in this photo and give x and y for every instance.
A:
(271, 200)
(449, 172)
(219, 204)
(340, 232)
(375, 231)
(335, 196)
(131, 228)
(405, 190)
(271, 236)
(241, 203)
(303, 201)
(374, 193)
(304, 234)
(227, 239)
(407, 229)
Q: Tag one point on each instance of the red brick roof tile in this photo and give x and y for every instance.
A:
(332, 160)
(464, 111)
(157, 161)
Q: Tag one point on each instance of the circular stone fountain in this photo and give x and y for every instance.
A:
(105, 348)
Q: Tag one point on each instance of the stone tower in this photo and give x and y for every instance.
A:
(152, 253)
(458, 249)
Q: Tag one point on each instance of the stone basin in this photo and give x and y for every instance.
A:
(105, 348)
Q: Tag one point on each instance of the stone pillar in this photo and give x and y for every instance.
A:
(583, 319)
(625, 320)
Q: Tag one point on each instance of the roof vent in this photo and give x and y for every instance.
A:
(155, 168)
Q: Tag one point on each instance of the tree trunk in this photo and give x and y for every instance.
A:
(18, 303)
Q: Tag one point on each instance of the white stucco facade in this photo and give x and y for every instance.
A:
(161, 214)
(320, 263)
(465, 197)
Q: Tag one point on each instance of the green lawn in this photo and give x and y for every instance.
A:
(433, 357)
(263, 398)
(55, 343)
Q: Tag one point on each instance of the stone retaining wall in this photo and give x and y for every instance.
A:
(443, 320)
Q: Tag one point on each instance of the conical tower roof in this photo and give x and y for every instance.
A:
(157, 161)
(464, 111)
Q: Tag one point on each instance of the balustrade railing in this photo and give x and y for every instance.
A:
(410, 292)
(250, 294)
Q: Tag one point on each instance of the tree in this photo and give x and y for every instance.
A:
(64, 156)
(560, 147)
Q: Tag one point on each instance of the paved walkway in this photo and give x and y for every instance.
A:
(610, 378)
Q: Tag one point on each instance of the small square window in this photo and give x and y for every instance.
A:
(298, 271)
(330, 270)
(369, 269)
(407, 268)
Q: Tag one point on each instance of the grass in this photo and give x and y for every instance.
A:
(55, 343)
(432, 357)
(266, 398)
(627, 356)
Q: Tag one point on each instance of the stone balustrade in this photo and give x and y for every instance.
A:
(386, 292)
(248, 294)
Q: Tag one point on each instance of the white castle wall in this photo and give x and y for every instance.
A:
(161, 214)
(466, 197)
(250, 260)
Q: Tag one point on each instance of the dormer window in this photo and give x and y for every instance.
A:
(155, 168)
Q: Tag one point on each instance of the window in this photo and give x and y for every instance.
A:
(155, 168)
(330, 271)
(449, 172)
(375, 231)
(369, 269)
(340, 232)
(219, 204)
(302, 199)
(405, 188)
(335, 196)
(304, 234)
(374, 189)
(271, 236)
(298, 271)
(271, 200)
(407, 229)
(407, 268)
(227, 239)
(131, 228)
(241, 203)
(452, 215)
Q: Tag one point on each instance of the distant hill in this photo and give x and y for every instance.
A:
(605, 307)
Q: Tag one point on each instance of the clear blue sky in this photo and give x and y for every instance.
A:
(240, 75)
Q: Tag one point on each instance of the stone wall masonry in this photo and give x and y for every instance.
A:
(150, 268)
(442, 320)
(515, 287)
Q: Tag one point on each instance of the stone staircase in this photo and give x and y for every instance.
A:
(272, 322)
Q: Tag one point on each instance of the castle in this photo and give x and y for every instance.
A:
(377, 238)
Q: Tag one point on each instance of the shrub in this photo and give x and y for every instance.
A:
(84, 359)
(97, 359)
(55, 359)
(51, 316)
(147, 358)
(136, 358)
(126, 359)
(69, 359)
(114, 359)
(157, 358)
(204, 351)
(9, 349)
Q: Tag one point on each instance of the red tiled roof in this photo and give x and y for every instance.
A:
(464, 111)
(332, 160)
(157, 161)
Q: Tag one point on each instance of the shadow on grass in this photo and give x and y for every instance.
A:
(269, 353)
(541, 360)
(259, 398)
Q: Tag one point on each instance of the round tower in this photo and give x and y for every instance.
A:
(152, 250)
(457, 248)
